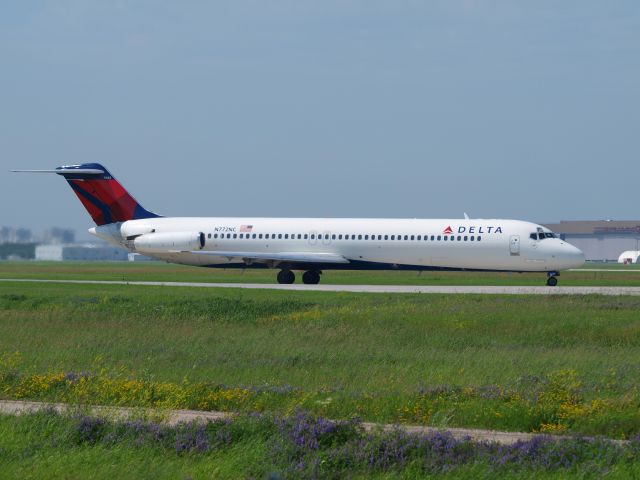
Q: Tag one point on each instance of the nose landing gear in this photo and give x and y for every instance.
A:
(552, 279)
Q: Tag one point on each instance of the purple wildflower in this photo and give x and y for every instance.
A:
(90, 429)
(192, 437)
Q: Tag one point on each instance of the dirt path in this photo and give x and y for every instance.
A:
(172, 417)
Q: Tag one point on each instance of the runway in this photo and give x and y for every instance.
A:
(442, 289)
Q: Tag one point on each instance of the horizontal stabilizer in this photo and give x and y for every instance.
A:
(298, 257)
(62, 171)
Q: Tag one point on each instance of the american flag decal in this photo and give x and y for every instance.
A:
(246, 228)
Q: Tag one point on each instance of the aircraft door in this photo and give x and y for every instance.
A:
(514, 244)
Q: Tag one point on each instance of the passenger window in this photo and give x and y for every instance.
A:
(386, 237)
(333, 237)
(472, 238)
(419, 237)
(340, 237)
(313, 236)
(479, 238)
(215, 235)
(433, 238)
(393, 237)
(353, 237)
(228, 235)
(438, 237)
(209, 236)
(379, 237)
(359, 237)
(306, 236)
(459, 237)
(445, 238)
(406, 237)
(326, 236)
(366, 237)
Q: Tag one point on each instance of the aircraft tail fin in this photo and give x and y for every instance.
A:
(103, 196)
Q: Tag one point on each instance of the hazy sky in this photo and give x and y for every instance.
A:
(526, 110)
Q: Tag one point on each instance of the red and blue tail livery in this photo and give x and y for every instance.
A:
(103, 196)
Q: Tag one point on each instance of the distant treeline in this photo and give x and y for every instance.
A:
(17, 250)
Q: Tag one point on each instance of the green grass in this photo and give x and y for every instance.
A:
(560, 363)
(43, 446)
(48, 445)
(504, 362)
(626, 275)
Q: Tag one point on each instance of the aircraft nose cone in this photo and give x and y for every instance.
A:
(573, 256)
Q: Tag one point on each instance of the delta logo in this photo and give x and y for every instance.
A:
(474, 229)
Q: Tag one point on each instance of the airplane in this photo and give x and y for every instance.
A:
(314, 245)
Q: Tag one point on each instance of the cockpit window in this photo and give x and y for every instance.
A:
(541, 235)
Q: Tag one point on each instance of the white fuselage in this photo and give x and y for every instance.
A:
(470, 244)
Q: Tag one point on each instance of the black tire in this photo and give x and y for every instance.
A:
(552, 281)
(286, 277)
(311, 277)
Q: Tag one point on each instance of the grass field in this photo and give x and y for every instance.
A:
(622, 275)
(48, 445)
(559, 364)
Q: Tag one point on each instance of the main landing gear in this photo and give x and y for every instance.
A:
(312, 277)
(287, 277)
(552, 281)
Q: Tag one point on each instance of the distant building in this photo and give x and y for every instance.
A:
(58, 235)
(600, 240)
(15, 235)
(87, 252)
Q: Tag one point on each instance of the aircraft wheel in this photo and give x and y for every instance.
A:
(286, 277)
(552, 281)
(311, 277)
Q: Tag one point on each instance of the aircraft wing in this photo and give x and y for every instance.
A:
(297, 257)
